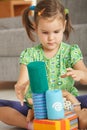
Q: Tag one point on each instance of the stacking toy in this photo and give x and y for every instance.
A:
(55, 104)
(39, 101)
(70, 122)
(51, 124)
(37, 76)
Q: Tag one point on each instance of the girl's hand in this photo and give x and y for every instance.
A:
(30, 115)
(77, 75)
(30, 101)
(69, 97)
(73, 100)
(20, 91)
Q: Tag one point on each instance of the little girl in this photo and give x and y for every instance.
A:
(64, 62)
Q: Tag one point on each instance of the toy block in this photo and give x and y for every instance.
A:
(70, 122)
(46, 124)
(73, 119)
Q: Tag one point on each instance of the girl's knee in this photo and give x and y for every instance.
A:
(82, 124)
(83, 119)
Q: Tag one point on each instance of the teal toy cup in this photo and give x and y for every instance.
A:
(37, 76)
(55, 104)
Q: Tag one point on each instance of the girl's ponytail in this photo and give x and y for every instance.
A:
(68, 27)
(28, 23)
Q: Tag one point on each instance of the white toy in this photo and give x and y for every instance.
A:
(67, 105)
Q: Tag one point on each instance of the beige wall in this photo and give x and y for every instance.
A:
(38, 0)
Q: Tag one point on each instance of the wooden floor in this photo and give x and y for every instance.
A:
(7, 84)
(7, 127)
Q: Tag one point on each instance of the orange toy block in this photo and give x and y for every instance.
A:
(72, 117)
(70, 122)
(46, 124)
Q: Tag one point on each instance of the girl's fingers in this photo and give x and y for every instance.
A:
(68, 73)
(19, 93)
(21, 90)
(30, 101)
(69, 69)
(64, 76)
(20, 96)
(22, 102)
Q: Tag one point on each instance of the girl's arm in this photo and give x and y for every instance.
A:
(78, 73)
(23, 75)
(81, 72)
(21, 88)
(22, 83)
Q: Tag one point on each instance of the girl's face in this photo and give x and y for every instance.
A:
(50, 33)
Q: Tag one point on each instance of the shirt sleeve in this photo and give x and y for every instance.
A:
(76, 54)
(25, 57)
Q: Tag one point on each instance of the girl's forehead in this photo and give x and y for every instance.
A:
(48, 21)
(57, 17)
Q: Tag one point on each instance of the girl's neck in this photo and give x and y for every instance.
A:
(50, 53)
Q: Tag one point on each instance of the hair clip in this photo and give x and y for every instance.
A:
(66, 11)
(32, 7)
(40, 12)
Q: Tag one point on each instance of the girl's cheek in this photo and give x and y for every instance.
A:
(44, 38)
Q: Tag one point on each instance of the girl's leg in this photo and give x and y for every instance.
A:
(11, 116)
(82, 115)
(83, 100)
(83, 119)
(16, 105)
(12, 113)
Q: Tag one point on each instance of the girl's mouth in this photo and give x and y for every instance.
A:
(51, 43)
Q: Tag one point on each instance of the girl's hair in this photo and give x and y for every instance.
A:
(45, 9)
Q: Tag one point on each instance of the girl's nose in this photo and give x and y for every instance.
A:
(50, 37)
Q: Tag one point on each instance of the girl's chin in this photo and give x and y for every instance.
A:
(52, 47)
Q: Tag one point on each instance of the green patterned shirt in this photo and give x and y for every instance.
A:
(66, 57)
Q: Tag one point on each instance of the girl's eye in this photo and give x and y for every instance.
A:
(45, 32)
(56, 31)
